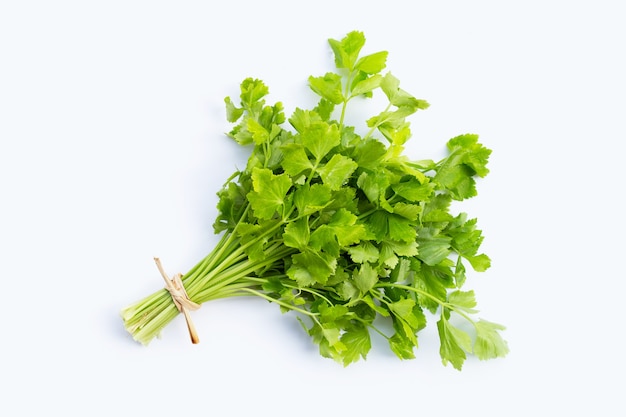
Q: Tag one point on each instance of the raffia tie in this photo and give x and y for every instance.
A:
(182, 301)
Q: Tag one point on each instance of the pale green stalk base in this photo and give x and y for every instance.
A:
(225, 272)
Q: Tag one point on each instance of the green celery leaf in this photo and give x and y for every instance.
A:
(328, 87)
(269, 192)
(459, 272)
(332, 336)
(480, 263)
(232, 201)
(291, 296)
(324, 337)
(232, 113)
(295, 160)
(331, 314)
(347, 50)
(397, 135)
(372, 64)
(241, 134)
(348, 291)
(312, 198)
(311, 267)
(463, 300)
(349, 139)
(273, 156)
(475, 155)
(272, 115)
(252, 236)
(408, 211)
(454, 344)
(345, 226)
(457, 180)
(367, 85)
(402, 273)
(403, 328)
(325, 109)
(344, 198)
(363, 252)
(489, 343)
(369, 153)
(303, 119)
(398, 97)
(387, 256)
(320, 138)
(390, 119)
(467, 159)
(435, 280)
(413, 191)
(433, 246)
(260, 135)
(340, 275)
(402, 346)
(273, 285)
(437, 209)
(365, 278)
(402, 248)
(297, 234)
(324, 238)
(374, 185)
(466, 241)
(357, 341)
(401, 228)
(374, 306)
(337, 171)
(407, 310)
(252, 91)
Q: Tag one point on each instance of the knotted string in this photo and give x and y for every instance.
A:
(182, 301)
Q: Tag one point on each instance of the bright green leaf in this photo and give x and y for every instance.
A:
(347, 50)
(337, 171)
(295, 159)
(413, 191)
(367, 85)
(328, 87)
(480, 263)
(357, 342)
(311, 267)
(363, 252)
(463, 300)
(454, 344)
(408, 211)
(269, 192)
(347, 230)
(252, 91)
(401, 228)
(232, 113)
(365, 278)
(260, 135)
(320, 139)
(372, 64)
(303, 119)
(402, 346)
(489, 343)
(433, 246)
(297, 234)
(311, 198)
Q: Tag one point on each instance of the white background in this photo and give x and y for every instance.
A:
(112, 149)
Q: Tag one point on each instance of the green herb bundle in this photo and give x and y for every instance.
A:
(343, 229)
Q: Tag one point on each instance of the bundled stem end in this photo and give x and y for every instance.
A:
(182, 301)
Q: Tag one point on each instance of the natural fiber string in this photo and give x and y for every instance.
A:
(181, 299)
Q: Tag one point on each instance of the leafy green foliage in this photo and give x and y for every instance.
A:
(344, 228)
